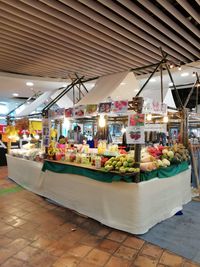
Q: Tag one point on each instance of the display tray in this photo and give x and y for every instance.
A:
(104, 176)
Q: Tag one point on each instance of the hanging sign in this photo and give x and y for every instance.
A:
(57, 113)
(79, 111)
(120, 106)
(91, 110)
(156, 127)
(105, 107)
(69, 112)
(154, 107)
(135, 129)
(45, 132)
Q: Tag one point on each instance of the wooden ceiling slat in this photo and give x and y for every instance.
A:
(56, 57)
(20, 24)
(144, 30)
(102, 24)
(57, 48)
(59, 28)
(184, 47)
(155, 10)
(189, 9)
(170, 8)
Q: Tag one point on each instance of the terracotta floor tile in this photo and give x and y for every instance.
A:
(17, 244)
(58, 248)
(117, 236)
(67, 261)
(103, 231)
(109, 245)
(26, 253)
(171, 259)
(14, 263)
(133, 242)
(5, 253)
(4, 240)
(80, 250)
(190, 264)
(41, 243)
(152, 250)
(74, 236)
(126, 252)
(87, 264)
(42, 259)
(91, 240)
(97, 257)
(17, 222)
(5, 228)
(144, 261)
(15, 233)
(118, 262)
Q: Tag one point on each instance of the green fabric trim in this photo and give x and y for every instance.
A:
(98, 175)
(164, 172)
(110, 177)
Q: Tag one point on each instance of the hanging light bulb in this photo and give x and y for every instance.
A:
(165, 119)
(102, 121)
(24, 136)
(37, 137)
(123, 130)
(149, 117)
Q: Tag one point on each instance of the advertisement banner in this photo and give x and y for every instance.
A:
(79, 111)
(45, 132)
(69, 113)
(135, 135)
(120, 106)
(136, 119)
(91, 110)
(105, 107)
(154, 107)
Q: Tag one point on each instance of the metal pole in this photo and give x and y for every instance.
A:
(158, 65)
(161, 82)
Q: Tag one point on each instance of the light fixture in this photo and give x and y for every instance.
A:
(165, 119)
(123, 83)
(15, 94)
(29, 83)
(64, 84)
(171, 66)
(102, 121)
(137, 90)
(123, 130)
(179, 68)
(170, 84)
(184, 74)
(152, 80)
(37, 137)
(149, 117)
(24, 136)
(193, 74)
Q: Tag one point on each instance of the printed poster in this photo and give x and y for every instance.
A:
(105, 107)
(136, 119)
(79, 111)
(135, 135)
(69, 112)
(120, 106)
(91, 110)
(45, 132)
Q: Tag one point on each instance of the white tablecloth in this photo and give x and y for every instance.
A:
(131, 207)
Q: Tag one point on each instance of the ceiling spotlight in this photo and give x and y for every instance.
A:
(152, 80)
(64, 84)
(15, 94)
(170, 84)
(193, 74)
(184, 74)
(123, 83)
(179, 68)
(29, 83)
(171, 66)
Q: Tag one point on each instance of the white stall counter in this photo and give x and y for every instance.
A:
(130, 207)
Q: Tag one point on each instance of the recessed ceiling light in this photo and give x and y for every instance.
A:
(122, 83)
(170, 84)
(193, 74)
(29, 83)
(184, 74)
(137, 90)
(64, 84)
(15, 94)
(152, 80)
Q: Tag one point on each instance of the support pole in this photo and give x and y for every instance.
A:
(161, 82)
(184, 126)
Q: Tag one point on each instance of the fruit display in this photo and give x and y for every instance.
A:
(122, 164)
(180, 153)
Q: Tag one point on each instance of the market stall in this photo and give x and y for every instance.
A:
(131, 207)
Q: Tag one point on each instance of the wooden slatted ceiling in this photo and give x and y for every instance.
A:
(52, 38)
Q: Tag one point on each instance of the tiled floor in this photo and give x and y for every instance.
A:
(34, 232)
